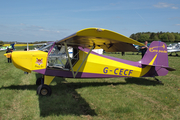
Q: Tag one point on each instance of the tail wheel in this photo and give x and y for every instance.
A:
(44, 90)
(39, 81)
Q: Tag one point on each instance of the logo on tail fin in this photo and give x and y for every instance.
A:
(154, 49)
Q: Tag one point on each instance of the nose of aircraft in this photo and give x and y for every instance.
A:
(29, 60)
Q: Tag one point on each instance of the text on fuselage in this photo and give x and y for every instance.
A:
(118, 71)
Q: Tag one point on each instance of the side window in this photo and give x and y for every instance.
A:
(58, 59)
(74, 56)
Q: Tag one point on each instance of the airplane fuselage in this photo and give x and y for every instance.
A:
(98, 66)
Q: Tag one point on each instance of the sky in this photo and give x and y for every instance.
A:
(51, 20)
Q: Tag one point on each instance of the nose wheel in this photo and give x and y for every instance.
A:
(44, 90)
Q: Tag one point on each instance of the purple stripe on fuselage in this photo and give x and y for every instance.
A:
(68, 74)
(137, 64)
(51, 48)
(42, 71)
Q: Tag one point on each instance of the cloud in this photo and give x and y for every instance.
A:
(165, 5)
(22, 24)
(174, 7)
(35, 28)
(44, 30)
(50, 31)
(114, 4)
(177, 24)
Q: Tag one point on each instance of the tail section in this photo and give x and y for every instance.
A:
(157, 56)
(12, 45)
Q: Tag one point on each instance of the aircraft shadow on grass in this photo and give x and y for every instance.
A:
(142, 81)
(173, 56)
(66, 101)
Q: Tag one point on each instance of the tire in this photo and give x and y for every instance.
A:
(38, 81)
(44, 90)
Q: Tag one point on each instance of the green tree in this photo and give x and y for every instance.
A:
(152, 35)
(156, 38)
(1, 43)
(133, 36)
(171, 37)
(177, 37)
(163, 37)
(143, 37)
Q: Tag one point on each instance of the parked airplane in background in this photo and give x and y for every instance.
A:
(84, 63)
(175, 47)
(139, 48)
(39, 46)
(10, 47)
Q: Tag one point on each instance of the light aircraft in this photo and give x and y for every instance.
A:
(84, 63)
(5, 48)
(175, 47)
(26, 45)
(40, 45)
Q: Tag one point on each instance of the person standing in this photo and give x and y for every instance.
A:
(144, 48)
(9, 56)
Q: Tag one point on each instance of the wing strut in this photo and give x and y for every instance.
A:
(74, 75)
(69, 59)
(85, 59)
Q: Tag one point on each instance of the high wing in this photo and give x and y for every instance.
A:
(100, 38)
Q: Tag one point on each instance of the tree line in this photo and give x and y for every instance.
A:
(151, 36)
(10, 42)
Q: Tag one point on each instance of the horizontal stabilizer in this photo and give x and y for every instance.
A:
(162, 66)
(170, 69)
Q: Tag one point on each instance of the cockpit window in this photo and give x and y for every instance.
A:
(58, 59)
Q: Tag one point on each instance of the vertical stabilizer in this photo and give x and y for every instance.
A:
(12, 45)
(157, 56)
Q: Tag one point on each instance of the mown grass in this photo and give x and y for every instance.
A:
(107, 99)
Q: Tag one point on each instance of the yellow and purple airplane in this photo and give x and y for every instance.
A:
(54, 59)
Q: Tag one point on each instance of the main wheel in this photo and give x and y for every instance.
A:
(44, 90)
(38, 81)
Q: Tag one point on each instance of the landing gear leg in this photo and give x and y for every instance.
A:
(44, 88)
(160, 82)
(40, 81)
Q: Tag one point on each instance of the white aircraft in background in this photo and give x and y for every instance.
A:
(175, 47)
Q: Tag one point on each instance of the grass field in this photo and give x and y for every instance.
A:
(98, 99)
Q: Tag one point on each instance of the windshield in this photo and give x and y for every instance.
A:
(46, 48)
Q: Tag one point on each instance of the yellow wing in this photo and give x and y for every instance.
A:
(101, 38)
